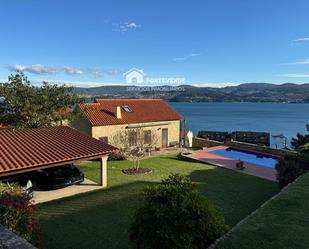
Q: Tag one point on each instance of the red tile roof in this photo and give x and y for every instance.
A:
(29, 148)
(103, 112)
(3, 126)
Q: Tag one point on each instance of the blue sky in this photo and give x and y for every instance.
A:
(208, 42)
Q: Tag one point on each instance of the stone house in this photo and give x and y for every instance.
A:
(107, 117)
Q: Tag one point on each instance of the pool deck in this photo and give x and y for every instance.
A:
(229, 163)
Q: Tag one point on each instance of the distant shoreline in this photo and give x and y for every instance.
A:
(251, 93)
(245, 102)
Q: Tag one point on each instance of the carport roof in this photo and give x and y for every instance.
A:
(28, 149)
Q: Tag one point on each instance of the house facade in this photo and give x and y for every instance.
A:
(106, 118)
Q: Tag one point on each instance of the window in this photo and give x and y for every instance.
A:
(104, 139)
(133, 138)
(147, 137)
(126, 108)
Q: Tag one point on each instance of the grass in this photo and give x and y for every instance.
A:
(282, 223)
(101, 219)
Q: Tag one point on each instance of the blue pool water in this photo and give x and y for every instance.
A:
(247, 156)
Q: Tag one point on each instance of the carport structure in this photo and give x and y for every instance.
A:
(25, 150)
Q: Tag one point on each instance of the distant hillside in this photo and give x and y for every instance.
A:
(249, 92)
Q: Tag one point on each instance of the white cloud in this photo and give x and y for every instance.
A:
(301, 62)
(193, 55)
(16, 67)
(302, 39)
(72, 70)
(294, 75)
(97, 73)
(179, 59)
(125, 27)
(77, 83)
(34, 69)
(183, 58)
(69, 70)
(131, 25)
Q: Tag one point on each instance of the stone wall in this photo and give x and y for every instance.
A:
(155, 127)
(200, 142)
(262, 149)
(111, 130)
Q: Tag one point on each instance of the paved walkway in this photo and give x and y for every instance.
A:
(45, 196)
(228, 163)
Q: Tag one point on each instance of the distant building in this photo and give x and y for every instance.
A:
(107, 117)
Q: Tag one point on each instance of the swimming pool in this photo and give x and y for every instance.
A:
(248, 156)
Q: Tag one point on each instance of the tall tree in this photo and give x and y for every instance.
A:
(25, 105)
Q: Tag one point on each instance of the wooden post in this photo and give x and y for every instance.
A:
(103, 171)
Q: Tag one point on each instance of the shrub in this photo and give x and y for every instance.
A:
(299, 141)
(3, 245)
(174, 215)
(116, 156)
(291, 166)
(304, 148)
(16, 212)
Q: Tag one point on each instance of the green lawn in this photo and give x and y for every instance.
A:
(281, 224)
(101, 219)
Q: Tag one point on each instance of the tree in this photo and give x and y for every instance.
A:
(299, 141)
(25, 105)
(134, 143)
(291, 167)
(175, 215)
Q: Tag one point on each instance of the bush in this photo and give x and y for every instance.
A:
(299, 141)
(116, 156)
(174, 215)
(304, 148)
(3, 245)
(292, 166)
(16, 212)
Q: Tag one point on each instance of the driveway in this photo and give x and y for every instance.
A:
(45, 196)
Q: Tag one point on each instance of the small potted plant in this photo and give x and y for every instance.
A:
(240, 165)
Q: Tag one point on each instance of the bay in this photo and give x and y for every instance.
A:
(276, 118)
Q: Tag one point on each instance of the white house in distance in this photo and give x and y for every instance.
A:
(134, 76)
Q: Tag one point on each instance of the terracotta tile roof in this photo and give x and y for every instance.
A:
(3, 126)
(29, 148)
(103, 112)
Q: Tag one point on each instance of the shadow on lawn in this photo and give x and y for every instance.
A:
(101, 219)
(98, 219)
(234, 193)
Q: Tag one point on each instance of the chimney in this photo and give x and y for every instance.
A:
(118, 112)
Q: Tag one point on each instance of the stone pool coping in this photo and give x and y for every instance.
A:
(229, 163)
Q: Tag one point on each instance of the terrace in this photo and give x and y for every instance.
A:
(251, 167)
